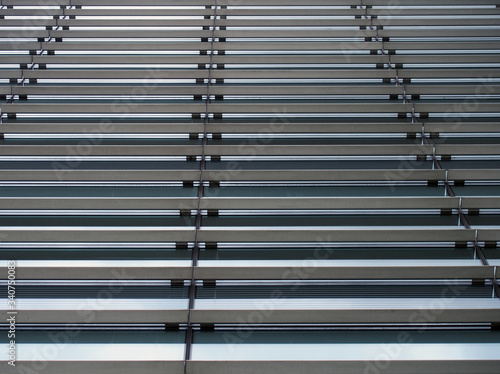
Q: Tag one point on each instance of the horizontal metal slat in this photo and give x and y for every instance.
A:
(225, 150)
(276, 126)
(338, 235)
(246, 90)
(101, 128)
(247, 203)
(221, 74)
(68, 174)
(254, 73)
(343, 316)
(290, 90)
(64, 173)
(345, 272)
(232, 108)
(220, 234)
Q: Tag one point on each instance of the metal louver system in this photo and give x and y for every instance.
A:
(213, 186)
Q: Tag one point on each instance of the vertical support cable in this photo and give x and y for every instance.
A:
(463, 221)
(196, 247)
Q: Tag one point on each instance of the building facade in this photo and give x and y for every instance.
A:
(250, 186)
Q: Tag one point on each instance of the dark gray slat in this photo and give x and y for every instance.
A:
(221, 203)
(90, 234)
(450, 108)
(109, 2)
(431, 2)
(473, 175)
(34, 2)
(98, 34)
(480, 202)
(311, 10)
(68, 174)
(105, 46)
(467, 149)
(254, 59)
(147, 235)
(469, 58)
(105, 128)
(134, 34)
(439, 33)
(365, 107)
(182, 22)
(489, 235)
(322, 73)
(317, 366)
(41, 12)
(187, 59)
(233, 89)
(106, 272)
(115, 108)
(366, 315)
(453, 89)
(107, 12)
(482, 74)
(431, 11)
(391, 176)
(231, 150)
(249, 272)
(461, 22)
(7, 74)
(228, 150)
(237, 11)
(132, 221)
(222, 74)
(106, 367)
(249, 89)
(106, 23)
(100, 90)
(16, 59)
(346, 272)
(274, 126)
(229, 2)
(249, 292)
(463, 127)
(256, 22)
(263, 11)
(124, 291)
(232, 46)
(445, 45)
(336, 235)
(86, 311)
